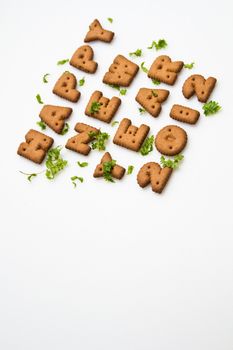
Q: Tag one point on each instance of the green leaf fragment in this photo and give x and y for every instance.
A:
(41, 124)
(81, 82)
(100, 139)
(39, 100)
(65, 129)
(110, 19)
(45, 78)
(142, 110)
(143, 68)
(137, 53)
(95, 107)
(147, 146)
(161, 44)
(54, 162)
(130, 169)
(115, 122)
(107, 169)
(171, 163)
(211, 107)
(83, 164)
(189, 65)
(59, 63)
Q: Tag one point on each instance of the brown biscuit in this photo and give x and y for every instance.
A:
(55, 116)
(66, 87)
(184, 114)
(171, 140)
(121, 72)
(117, 171)
(197, 84)
(164, 70)
(83, 59)
(107, 108)
(36, 146)
(151, 99)
(152, 173)
(79, 143)
(129, 136)
(96, 32)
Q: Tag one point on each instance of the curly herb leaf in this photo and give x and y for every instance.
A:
(137, 53)
(45, 78)
(147, 146)
(29, 176)
(81, 82)
(110, 19)
(59, 63)
(171, 163)
(41, 124)
(121, 91)
(39, 100)
(155, 81)
(65, 129)
(83, 164)
(107, 169)
(95, 107)
(115, 122)
(189, 65)
(54, 162)
(143, 68)
(142, 110)
(75, 178)
(211, 107)
(100, 139)
(130, 169)
(161, 44)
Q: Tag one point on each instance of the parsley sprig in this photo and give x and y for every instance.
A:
(75, 178)
(107, 169)
(45, 78)
(147, 146)
(95, 107)
(189, 65)
(171, 163)
(41, 124)
(100, 139)
(211, 107)
(137, 53)
(121, 91)
(161, 44)
(59, 63)
(54, 162)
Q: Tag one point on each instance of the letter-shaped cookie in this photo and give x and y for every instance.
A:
(164, 70)
(35, 147)
(65, 87)
(152, 173)
(129, 136)
(79, 143)
(151, 99)
(197, 84)
(83, 59)
(107, 108)
(117, 171)
(55, 116)
(171, 140)
(184, 114)
(96, 32)
(121, 72)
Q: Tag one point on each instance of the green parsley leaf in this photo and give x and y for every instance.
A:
(155, 81)
(29, 176)
(154, 93)
(161, 44)
(143, 68)
(211, 107)
(83, 164)
(39, 99)
(75, 178)
(121, 91)
(171, 163)
(141, 110)
(59, 63)
(54, 162)
(137, 53)
(81, 82)
(100, 139)
(41, 124)
(65, 129)
(95, 107)
(115, 122)
(107, 169)
(189, 65)
(130, 169)
(110, 19)
(45, 78)
(147, 146)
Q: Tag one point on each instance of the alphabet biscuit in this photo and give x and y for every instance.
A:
(164, 70)
(55, 116)
(65, 87)
(79, 143)
(171, 140)
(184, 114)
(151, 99)
(117, 171)
(197, 84)
(96, 32)
(83, 59)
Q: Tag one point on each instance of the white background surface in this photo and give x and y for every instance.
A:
(113, 266)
